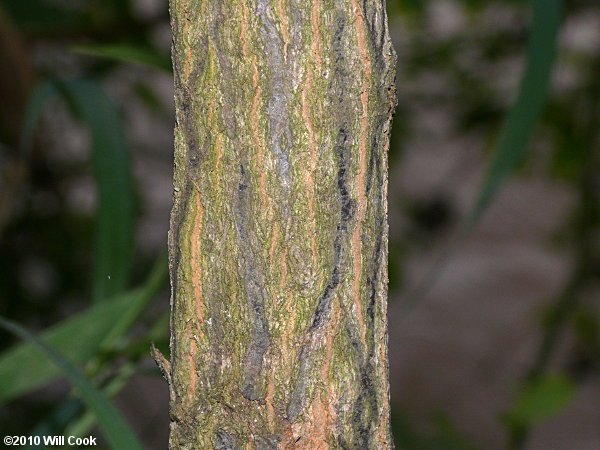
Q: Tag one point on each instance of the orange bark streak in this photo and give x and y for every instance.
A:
(364, 121)
(312, 142)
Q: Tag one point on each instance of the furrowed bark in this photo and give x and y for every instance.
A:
(278, 240)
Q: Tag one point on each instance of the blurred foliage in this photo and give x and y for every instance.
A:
(112, 172)
(94, 332)
(109, 419)
(540, 401)
(126, 53)
(55, 259)
(522, 120)
(445, 435)
(459, 74)
(67, 272)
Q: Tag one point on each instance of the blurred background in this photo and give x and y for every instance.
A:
(494, 218)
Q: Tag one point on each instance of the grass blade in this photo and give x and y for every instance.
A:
(126, 53)
(522, 119)
(112, 171)
(110, 420)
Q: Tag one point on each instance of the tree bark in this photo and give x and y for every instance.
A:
(278, 239)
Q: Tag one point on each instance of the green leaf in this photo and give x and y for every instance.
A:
(541, 400)
(112, 171)
(111, 422)
(129, 53)
(522, 119)
(79, 338)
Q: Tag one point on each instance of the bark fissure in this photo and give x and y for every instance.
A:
(322, 315)
(254, 292)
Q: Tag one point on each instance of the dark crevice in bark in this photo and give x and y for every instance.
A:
(342, 152)
(225, 441)
(323, 310)
(322, 314)
(365, 408)
(260, 339)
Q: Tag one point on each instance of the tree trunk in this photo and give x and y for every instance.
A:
(278, 240)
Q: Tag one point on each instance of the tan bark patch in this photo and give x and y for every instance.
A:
(284, 26)
(309, 174)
